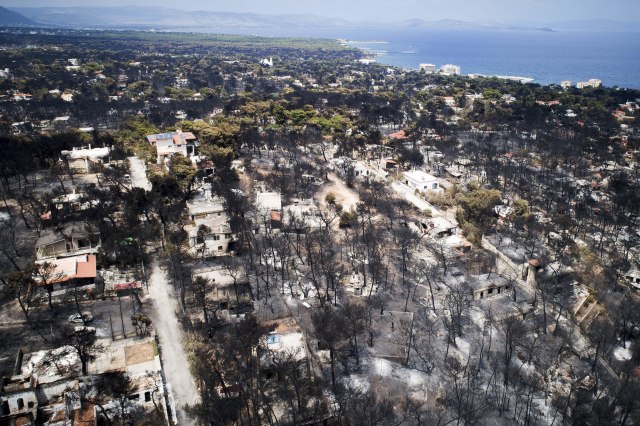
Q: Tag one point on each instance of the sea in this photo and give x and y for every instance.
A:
(546, 56)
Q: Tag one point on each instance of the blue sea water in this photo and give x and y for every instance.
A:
(548, 57)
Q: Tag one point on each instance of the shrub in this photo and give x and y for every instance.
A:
(330, 198)
(348, 219)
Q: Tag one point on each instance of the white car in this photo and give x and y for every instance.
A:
(78, 319)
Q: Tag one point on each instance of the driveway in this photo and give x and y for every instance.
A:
(409, 194)
(138, 172)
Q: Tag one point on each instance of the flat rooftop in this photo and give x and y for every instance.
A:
(420, 176)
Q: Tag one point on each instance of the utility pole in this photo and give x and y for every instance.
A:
(121, 317)
(410, 339)
(113, 337)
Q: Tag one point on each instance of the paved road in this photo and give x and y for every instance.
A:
(180, 384)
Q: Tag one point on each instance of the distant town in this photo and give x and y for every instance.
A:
(228, 230)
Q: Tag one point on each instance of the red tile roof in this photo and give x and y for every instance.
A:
(398, 135)
(68, 268)
(86, 269)
(127, 286)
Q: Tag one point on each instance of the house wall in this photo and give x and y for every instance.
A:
(422, 186)
(18, 403)
(52, 249)
(213, 244)
(633, 279)
(73, 246)
(79, 165)
(217, 242)
(53, 391)
(207, 216)
(166, 148)
(489, 292)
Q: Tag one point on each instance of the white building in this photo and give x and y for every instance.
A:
(209, 237)
(81, 159)
(449, 69)
(18, 401)
(209, 231)
(428, 68)
(565, 84)
(449, 101)
(633, 278)
(422, 181)
(594, 82)
(268, 201)
(168, 144)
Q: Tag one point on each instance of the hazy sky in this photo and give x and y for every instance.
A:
(499, 10)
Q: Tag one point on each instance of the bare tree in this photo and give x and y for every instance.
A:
(330, 330)
(84, 340)
(46, 274)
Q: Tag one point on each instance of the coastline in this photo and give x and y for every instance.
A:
(552, 59)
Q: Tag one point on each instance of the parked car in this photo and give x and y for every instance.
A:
(77, 318)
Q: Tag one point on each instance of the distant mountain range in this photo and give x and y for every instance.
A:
(11, 18)
(596, 25)
(161, 18)
(167, 18)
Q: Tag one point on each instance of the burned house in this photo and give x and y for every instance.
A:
(67, 272)
(70, 239)
(208, 230)
(230, 296)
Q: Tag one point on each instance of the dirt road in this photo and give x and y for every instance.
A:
(346, 197)
(180, 384)
(172, 340)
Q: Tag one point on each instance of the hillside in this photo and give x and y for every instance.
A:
(11, 18)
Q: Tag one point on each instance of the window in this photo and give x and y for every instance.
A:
(5, 408)
(216, 237)
(133, 397)
(30, 404)
(147, 396)
(20, 403)
(219, 248)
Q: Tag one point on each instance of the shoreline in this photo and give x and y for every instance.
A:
(371, 56)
